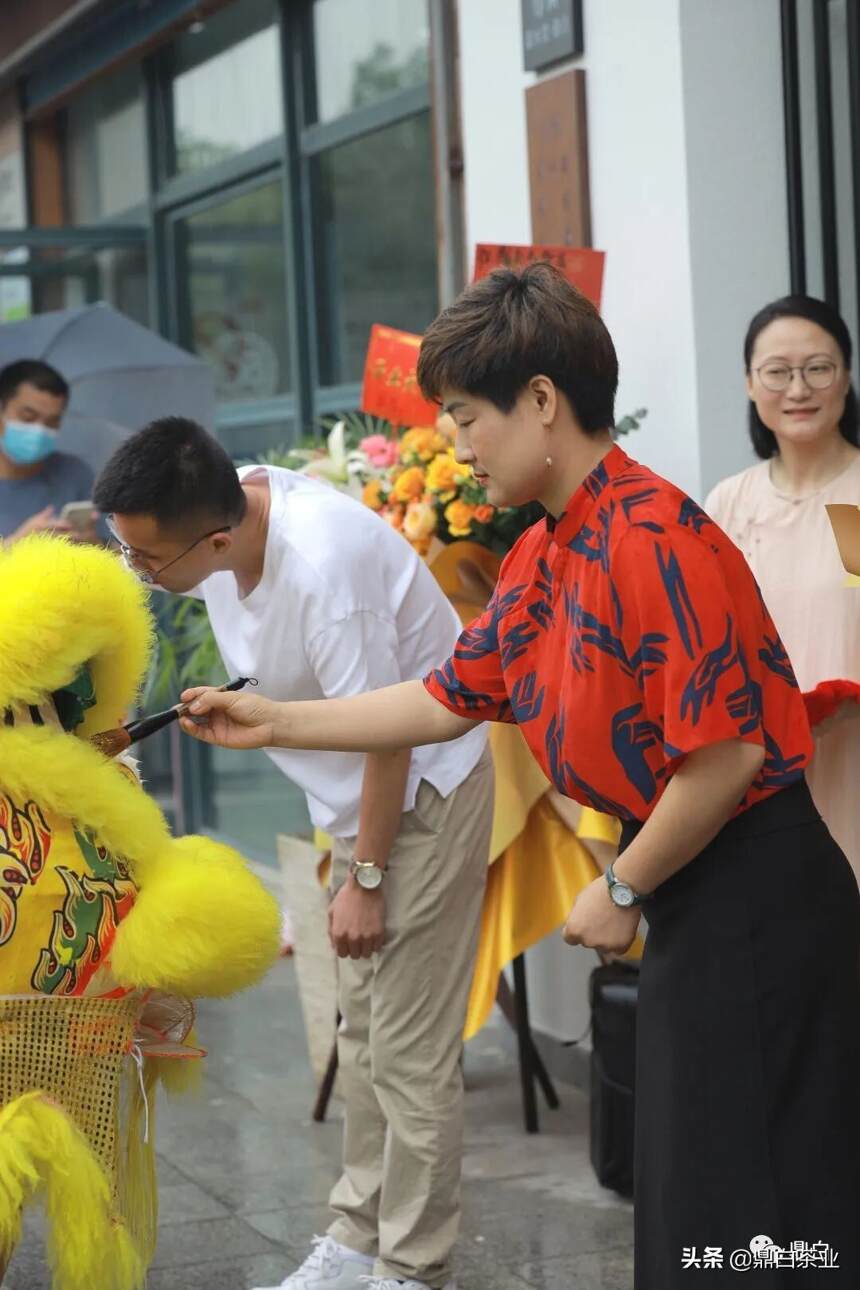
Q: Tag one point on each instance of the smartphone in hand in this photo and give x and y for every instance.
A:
(79, 516)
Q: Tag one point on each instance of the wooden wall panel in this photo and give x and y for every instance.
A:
(558, 160)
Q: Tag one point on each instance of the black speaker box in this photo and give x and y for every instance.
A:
(613, 989)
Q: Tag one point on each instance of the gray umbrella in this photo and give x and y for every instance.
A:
(121, 375)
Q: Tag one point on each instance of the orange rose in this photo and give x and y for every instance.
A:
(459, 516)
(483, 514)
(421, 442)
(371, 495)
(421, 545)
(419, 522)
(410, 485)
(444, 475)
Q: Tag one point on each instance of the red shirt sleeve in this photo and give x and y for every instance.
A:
(471, 683)
(692, 626)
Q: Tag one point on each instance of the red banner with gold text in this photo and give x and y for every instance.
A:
(582, 267)
(390, 388)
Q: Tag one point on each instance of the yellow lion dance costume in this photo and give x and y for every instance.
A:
(108, 925)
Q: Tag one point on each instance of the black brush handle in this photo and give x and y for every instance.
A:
(149, 725)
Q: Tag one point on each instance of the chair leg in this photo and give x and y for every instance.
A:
(507, 1004)
(543, 1077)
(526, 1047)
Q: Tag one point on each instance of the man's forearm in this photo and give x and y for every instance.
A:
(400, 716)
(702, 795)
(383, 790)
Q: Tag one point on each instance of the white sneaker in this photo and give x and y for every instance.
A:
(329, 1266)
(391, 1283)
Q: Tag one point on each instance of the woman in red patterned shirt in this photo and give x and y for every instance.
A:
(628, 640)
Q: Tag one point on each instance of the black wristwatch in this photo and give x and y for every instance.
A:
(621, 893)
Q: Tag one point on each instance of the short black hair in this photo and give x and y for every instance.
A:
(174, 471)
(829, 320)
(31, 371)
(516, 324)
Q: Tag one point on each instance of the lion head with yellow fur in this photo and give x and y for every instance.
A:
(103, 914)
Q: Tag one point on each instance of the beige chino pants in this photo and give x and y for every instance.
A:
(401, 1035)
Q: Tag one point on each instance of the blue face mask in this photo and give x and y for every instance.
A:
(27, 443)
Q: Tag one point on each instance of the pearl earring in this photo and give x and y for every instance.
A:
(549, 462)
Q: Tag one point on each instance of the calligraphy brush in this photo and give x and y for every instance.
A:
(113, 742)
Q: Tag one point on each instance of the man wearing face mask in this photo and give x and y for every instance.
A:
(36, 481)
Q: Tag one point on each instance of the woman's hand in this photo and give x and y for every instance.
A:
(596, 922)
(228, 719)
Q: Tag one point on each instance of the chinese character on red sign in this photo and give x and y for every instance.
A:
(390, 389)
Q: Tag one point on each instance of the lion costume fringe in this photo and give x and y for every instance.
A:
(108, 925)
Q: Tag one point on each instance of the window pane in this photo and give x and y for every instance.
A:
(231, 267)
(64, 279)
(366, 49)
(247, 443)
(376, 242)
(105, 157)
(227, 86)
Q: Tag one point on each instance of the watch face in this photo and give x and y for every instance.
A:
(368, 876)
(623, 895)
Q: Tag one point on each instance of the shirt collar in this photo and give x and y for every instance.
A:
(564, 529)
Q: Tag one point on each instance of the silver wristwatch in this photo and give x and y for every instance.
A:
(367, 874)
(621, 893)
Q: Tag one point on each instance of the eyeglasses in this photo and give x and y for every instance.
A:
(139, 564)
(817, 374)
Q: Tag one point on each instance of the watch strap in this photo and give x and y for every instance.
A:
(612, 881)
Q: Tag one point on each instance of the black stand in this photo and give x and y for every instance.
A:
(531, 1063)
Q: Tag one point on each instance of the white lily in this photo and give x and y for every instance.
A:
(338, 467)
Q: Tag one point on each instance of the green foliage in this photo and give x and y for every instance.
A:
(629, 423)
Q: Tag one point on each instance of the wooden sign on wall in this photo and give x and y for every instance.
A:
(558, 160)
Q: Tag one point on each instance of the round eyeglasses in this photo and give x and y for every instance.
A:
(139, 565)
(816, 374)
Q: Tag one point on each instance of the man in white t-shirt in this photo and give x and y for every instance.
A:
(316, 597)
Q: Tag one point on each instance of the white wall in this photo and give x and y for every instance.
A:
(640, 218)
(492, 103)
(638, 193)
(736, 184)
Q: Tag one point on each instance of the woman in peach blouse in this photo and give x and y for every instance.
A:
(803, 424)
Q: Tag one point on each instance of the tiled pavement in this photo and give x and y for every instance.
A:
(245, 1175)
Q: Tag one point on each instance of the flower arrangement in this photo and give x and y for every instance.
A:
(417, 485)
(415, 482)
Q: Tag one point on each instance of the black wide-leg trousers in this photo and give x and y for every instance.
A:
(748, 1063)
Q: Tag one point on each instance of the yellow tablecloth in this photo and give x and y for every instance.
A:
(531, 887)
